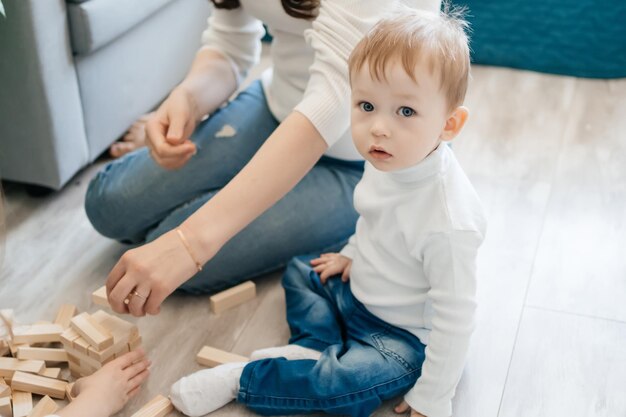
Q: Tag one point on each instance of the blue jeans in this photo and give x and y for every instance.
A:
(364, 359)
(135, 201)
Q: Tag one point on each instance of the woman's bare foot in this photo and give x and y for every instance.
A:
(133, 139)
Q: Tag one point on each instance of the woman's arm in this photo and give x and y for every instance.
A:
(158, 268)
(282, 161)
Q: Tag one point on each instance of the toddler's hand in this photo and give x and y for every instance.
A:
(330, 264)
(403, 407)
(110, 388)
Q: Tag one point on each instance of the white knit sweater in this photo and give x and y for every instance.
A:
(310, 72)
(414, 264)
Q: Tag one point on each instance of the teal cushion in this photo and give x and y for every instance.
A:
(585, 38)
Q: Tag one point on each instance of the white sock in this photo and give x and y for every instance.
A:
(290, 352)
(207, 390)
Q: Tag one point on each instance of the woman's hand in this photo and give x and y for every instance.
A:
(403, 407)
(169, 129)
(148, 274)
(330, 264)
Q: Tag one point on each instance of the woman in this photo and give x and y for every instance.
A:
(232, 197)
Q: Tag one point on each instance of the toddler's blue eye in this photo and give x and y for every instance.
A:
(407, 111)
(366, 106)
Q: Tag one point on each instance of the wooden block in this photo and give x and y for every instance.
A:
(45, 407)
(123, 352)
(115, 324)
(92, 331)
(75, 370)
(4, 347)
(82, 346)
(83, 361)
(232, 297)
(6, 318)
(38, 384)
(68, 336)
(68, 392)
(22, 403)
(99, 297)
(8, 366)
(42, 354)
(209, 356)
(51, 373)
(65, 314)
(5, 390)
(14, 347)
(122, 332)
(134, 344)
(157, 407)
(37, 333)
(5, 407)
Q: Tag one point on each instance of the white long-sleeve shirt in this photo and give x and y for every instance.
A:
(310, 71)
(414, 264)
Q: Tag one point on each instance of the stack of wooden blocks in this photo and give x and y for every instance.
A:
(96, 339)
(32, 348)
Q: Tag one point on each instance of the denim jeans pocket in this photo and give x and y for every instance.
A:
(397, 349)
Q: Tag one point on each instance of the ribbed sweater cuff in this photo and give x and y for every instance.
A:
(427, 405)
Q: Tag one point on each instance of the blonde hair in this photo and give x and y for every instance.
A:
(440, 38)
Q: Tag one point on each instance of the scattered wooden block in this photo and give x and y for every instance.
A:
(22, 403)
(68, 392)
(65, 314)
(37, 333)
(5, 407)
(99, 297)
(7, 313)
(209, 356)
(45, 407)
(92, 331)
(51, 373)
(38, 385)
(4, 347)
(42, 354)
(5, 390)
(8, 366)
(232, 297)
(14, 347)
(134, 344)
(157, 407)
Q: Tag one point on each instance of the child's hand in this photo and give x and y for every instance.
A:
(110, 388)
(403, 407)
(329, 264)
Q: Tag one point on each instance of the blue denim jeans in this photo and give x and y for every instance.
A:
(364, 359)
(135, 201)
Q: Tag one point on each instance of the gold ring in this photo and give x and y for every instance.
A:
(139, 295)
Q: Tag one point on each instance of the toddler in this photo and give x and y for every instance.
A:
(392, 313)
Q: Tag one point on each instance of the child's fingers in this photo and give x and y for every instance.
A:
(135, 382)
(316, 261)
(401, 408)
(136, 369)
(133, 392)
(129, 358)
(345, 276)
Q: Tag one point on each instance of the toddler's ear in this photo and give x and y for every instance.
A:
(454, 124)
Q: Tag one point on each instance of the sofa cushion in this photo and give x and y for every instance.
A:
(94, 23)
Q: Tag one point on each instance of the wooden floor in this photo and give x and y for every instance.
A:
(547, 155)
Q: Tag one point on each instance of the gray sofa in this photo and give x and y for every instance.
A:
(74, 74)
